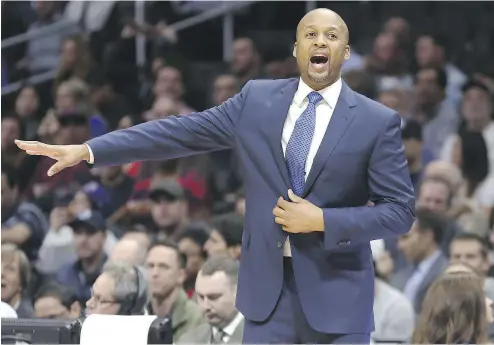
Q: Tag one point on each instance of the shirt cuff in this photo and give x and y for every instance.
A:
(91, 156)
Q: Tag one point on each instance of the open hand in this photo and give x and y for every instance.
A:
(298, 215)
(65, 155)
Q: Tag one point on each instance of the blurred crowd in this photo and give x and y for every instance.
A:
(171, 216)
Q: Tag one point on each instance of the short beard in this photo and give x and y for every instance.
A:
(318, 79)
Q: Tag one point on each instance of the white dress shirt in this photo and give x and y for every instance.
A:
(230, 329)
(324, 112)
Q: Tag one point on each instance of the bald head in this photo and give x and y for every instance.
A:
(130, 251)
(323, 15)
(321, 48)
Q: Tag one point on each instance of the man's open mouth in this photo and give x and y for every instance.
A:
(318, 59)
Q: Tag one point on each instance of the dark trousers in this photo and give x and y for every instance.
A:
(288, 325)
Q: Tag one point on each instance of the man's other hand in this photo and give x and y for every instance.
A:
(298, 215)
(65, 155)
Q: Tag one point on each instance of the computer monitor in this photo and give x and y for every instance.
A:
(40, 331)
(161, 331)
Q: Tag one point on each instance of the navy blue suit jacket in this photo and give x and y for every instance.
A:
(361, 158)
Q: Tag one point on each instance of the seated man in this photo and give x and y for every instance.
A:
(216, 289)
(55, 301)
(121, 289)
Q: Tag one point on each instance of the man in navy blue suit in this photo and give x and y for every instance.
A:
(313, 153)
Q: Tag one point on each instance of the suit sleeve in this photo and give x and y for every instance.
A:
(390, 189)
(172, 137)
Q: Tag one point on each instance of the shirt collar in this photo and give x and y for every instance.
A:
(330, 93)
(232, 326)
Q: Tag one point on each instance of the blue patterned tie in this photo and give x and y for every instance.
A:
(298, 146)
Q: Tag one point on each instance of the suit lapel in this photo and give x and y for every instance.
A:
(342, 116)
(278, 111)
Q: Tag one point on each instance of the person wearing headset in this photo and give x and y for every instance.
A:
(121, 289)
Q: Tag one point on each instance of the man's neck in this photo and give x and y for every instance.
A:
(90, 265)
(164, 306)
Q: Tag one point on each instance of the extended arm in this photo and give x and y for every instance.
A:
(391, 190)
(173, 137)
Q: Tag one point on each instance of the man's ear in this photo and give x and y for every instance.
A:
(347, 52)
(294, 53)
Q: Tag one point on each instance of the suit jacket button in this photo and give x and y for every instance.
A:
(343, 243)
(280, 244)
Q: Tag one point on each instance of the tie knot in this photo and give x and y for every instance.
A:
(314, 97)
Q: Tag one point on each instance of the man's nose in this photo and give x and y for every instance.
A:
(321, 41)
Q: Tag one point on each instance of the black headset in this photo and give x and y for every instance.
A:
(134, 304)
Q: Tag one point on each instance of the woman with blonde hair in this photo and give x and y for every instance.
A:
(453, 311)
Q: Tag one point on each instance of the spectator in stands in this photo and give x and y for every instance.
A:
(110, 191)
(89, 235)
(73, 97)
(27, 107)
(43, 53)
(12, 127)
(59, 245)
(226, 237)
(430, 52)
(169, 208)
(138, 233)
(166, 273)
(399, 27)
(394, 317)
(225, 87)
(16, 274)
(55, 301)
(436, 194)
(438, 117)
(246, 62)
(388, 64)
(130, 251)
(470, 155)
(425, 261)
(191, 244)
(451, 316)
(216, 289)
(412, 140)
(75, 61)
(169, 82)
(23, 223)
(477, 109)
(472, 250)
(397, 100)
(115, 291)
